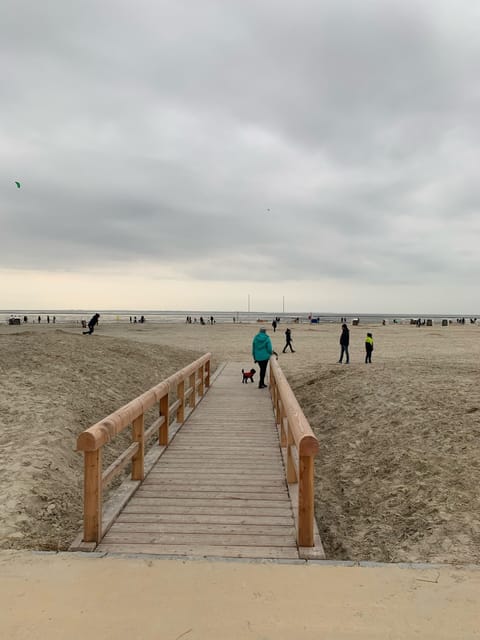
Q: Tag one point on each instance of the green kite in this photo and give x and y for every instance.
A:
(18, 184)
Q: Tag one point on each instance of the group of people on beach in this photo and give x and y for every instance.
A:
(345, 343)
(39, 319)
(262, 348)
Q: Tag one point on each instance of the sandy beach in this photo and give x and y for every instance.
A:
(398, 468)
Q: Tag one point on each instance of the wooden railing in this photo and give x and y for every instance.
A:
(301, 447)
(188, 384)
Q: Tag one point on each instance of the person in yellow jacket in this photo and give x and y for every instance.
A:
(368, 348)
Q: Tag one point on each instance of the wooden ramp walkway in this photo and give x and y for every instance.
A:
(219, 489)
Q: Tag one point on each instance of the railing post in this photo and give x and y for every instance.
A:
(193, 395)
(92, 496)
(305, 502)
(207, 373)
(201, 376)
(180, 417)
(138, 471)
(164, 411)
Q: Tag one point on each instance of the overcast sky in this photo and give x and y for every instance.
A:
(187, 154)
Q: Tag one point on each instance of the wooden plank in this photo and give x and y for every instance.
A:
(180, 528)
(201, 539)
(154, 427)
(228, 444)
(172, 471)
(210, 510)
(234, 454)
(212, 491)
(196, 484)
(235, 468)
(191, 503)
(202, 551)
(120, 463)
(180, 519)
(227, 463)
(145, 492)
(218, 478)
(169, 463)
(187, 484)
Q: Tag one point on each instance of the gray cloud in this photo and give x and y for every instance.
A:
(242, 140)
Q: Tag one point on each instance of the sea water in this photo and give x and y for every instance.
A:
(75, 316)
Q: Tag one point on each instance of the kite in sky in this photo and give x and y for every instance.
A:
(18, 184)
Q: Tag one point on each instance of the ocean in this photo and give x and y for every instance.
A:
(75, 316)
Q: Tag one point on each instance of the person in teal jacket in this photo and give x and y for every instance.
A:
(262, 350)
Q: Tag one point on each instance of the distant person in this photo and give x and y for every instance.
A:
(368, 348)
(25, 319)
(274, 325)
(54, 319)
(261, 351)
(48, 319)
(288, 338)
(92, 323)
(344, 342)
(39, 319)
(142, 319)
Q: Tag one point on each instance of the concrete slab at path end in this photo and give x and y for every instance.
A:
(73, 596)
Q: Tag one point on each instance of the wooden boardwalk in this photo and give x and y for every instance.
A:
(219, 489)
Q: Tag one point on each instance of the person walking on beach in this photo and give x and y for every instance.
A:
(274, 325)
(261, 351)
(368, 348)
(288, 338)
(344, 342)
(92, 324)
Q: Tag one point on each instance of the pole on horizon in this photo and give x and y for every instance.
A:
(248, 303)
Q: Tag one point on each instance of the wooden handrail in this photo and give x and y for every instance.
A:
(295, 431)
(195, 376)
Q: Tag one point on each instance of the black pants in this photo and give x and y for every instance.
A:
(368, 357)
(289, 344)
(344, 350)
(263, 370)
(89, 332)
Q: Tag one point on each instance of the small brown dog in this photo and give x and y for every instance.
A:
(248, 375)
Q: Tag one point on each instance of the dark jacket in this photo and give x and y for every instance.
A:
(345, 337)
(93, 321)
